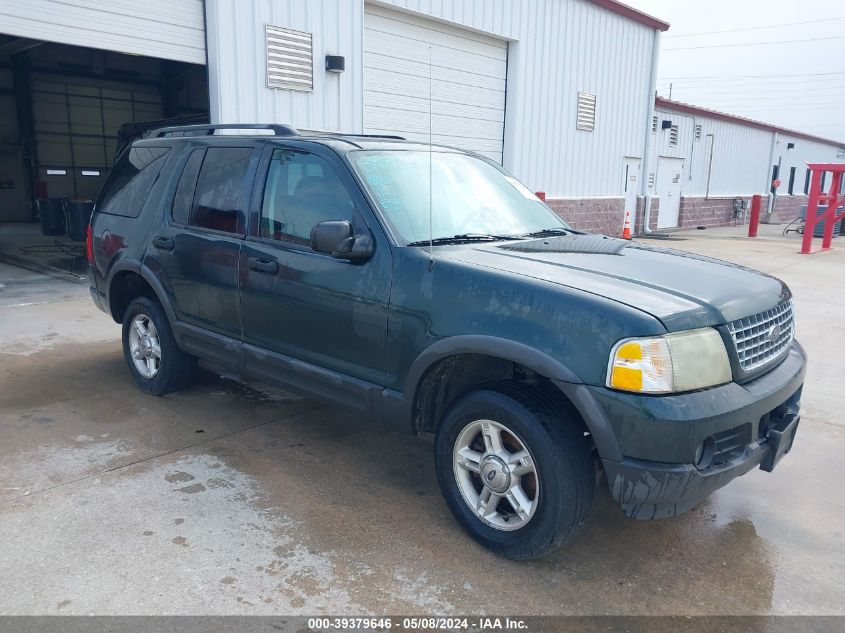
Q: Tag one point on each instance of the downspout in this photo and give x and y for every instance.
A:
(770, 199)
(649, 137)
(712, 138)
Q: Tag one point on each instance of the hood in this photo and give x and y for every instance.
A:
(683, 290)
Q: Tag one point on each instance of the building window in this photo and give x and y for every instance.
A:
(290, 63)
(586, 112)
(654, 124)
(791, 179)
(698, 132)
(807, 182)
(673, 136)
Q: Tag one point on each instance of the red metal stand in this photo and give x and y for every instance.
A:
(754, 218)
(833, 199)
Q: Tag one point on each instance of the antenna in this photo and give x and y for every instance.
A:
(430, 180)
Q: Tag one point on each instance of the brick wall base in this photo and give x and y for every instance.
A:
(652, 220)
(606, 215)
(593, 215)
(787, 208)
(708, 212)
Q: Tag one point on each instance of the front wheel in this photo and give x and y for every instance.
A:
(515, 471)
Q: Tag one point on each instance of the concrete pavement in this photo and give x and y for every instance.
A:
(238, 498)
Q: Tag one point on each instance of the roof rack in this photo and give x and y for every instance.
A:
(208, 130)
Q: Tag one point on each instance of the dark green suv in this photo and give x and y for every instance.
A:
(426, 288)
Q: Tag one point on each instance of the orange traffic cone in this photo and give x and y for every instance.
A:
(626, 228)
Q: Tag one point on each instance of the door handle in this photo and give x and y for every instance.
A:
(163, 243)
(266, 266)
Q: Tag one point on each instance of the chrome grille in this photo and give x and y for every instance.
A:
(762, 338)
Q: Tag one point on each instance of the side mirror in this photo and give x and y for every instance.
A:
(336, 238)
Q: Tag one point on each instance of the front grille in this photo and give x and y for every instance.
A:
(763, 338)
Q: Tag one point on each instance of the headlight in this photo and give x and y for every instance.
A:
(682, 361)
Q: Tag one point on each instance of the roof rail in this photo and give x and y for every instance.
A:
(349, 135)
(392, 137)
(208, 130)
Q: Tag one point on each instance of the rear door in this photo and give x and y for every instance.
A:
(197, 248)
(302, 304)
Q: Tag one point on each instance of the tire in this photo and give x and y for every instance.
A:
(170, 369)
(556, 497)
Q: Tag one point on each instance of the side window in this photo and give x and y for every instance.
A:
(184, 197)
(301, 190)
(129, 184)
(218, 191)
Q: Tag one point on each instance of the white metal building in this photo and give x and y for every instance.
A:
(505, 78)
(559, 91)
(703, 160)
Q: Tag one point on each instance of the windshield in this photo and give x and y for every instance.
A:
(469, 196)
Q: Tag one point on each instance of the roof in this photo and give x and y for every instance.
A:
(632, 13)
(660, 102)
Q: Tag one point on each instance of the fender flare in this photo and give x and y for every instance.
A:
(486, 346)
(560, 375)
(147, 275)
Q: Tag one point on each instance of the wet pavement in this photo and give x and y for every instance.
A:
(238, 498)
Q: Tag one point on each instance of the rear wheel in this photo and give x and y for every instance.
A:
(155, 360)
(514, 471)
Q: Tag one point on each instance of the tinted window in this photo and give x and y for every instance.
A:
(130, 182)
(184, 198)
(301, 190)
(218, 193)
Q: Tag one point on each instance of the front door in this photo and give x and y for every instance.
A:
(669, 190)
(302, 305)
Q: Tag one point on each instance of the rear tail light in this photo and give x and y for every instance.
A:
(89, 246)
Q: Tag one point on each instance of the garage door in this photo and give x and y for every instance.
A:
(467, 88)
(167, 29)
(76, 123)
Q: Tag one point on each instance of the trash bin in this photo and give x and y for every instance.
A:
(51, 215)
(77, 215)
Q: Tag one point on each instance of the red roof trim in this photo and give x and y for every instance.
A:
(660, 102)
(632, 13)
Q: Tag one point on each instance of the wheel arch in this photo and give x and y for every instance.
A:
(493, 357)
(130, 273)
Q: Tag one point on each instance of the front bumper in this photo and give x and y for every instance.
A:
(659, 438)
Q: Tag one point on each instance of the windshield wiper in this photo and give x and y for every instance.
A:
(545, 232)
(464, 237)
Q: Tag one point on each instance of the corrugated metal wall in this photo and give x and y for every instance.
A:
(740, 155)
(237, 63)
(167, 29)
(557, 48)
(560, 48)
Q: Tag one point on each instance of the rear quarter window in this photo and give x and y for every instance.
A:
(131, 180)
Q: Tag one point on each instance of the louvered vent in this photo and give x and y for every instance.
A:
(654, 123)
(697, 132)
(289, 59)
(586, 112)
(673, 136)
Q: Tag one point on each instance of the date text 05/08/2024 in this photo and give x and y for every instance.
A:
(431, 623)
